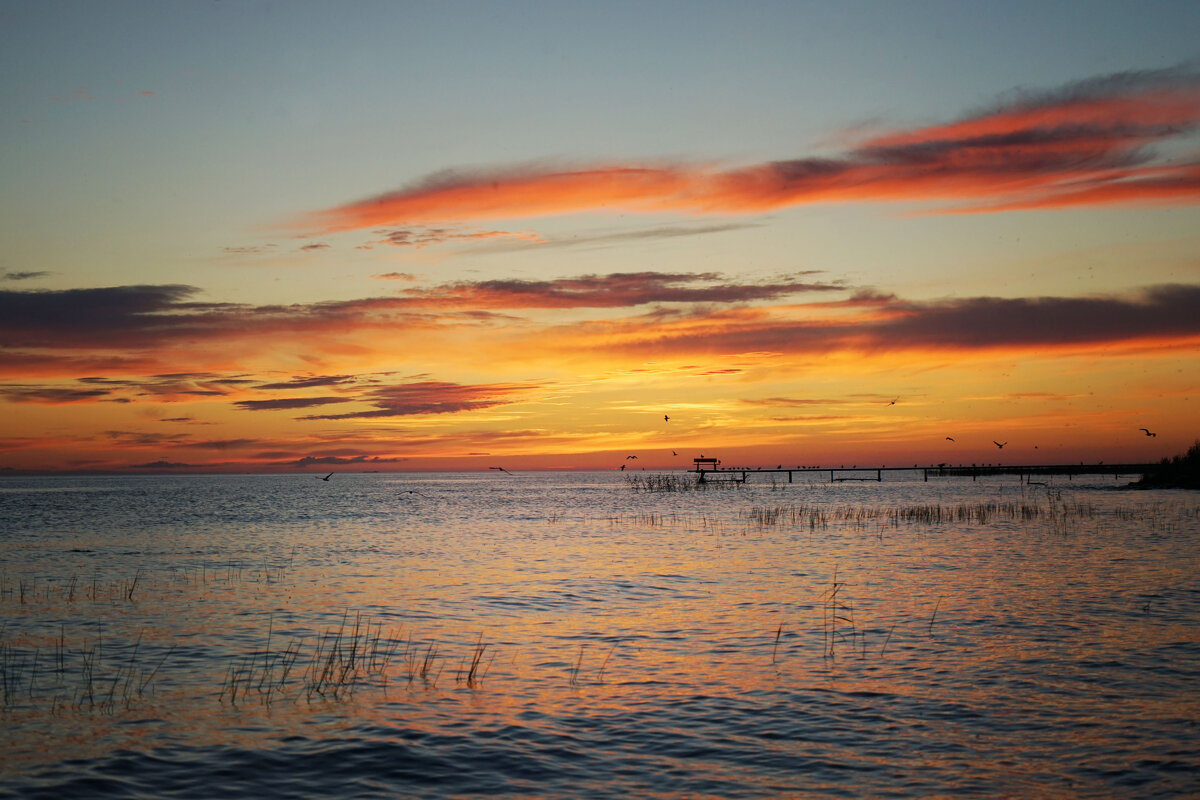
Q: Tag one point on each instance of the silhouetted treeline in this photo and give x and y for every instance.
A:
(1180, 472)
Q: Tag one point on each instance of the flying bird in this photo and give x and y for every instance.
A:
(893, 402)
(999, 444)
(502, 469)
(629, 457)
(327, 477)
(674, 453)
(666, 418)
(949, 438)
(1148, 432)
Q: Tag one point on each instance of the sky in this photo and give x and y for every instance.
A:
(318, 236)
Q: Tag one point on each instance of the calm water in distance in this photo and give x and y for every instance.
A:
(565, 635)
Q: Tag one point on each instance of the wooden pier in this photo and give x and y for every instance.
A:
(711, 469)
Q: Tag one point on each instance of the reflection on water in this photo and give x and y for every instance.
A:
(562, 634)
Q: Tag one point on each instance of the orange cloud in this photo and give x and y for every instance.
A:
(1083, 144)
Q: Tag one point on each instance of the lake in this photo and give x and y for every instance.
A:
(588, 634)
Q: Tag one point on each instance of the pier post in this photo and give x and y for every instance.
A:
(789, 476)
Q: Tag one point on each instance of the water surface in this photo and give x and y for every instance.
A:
(563, 635)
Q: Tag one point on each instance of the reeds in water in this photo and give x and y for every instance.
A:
(664, 482)
(83, 677)
(342, 659)
(791, 516)
(800, 516)
(835, 609)
(473, 674)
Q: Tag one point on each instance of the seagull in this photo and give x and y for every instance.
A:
(893, 402)
(327, 477)
(999, 444)
(1148, 433)
(629, 457)
(674, 453)
(666, 418)
(502, 469)
(949, 438)
(622, 468)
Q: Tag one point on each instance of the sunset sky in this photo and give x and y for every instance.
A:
(295, 236)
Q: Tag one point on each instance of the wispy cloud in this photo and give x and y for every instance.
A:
(337, 461)
(288, 403)
(639, 235)
(424, 237)
(23, 276)
(248, 249)
(432, 397)
(1160, 314)
(791, 402)
(309, 382)
(1086, 143)
(130, 316)
(52, 395)
(615, 290)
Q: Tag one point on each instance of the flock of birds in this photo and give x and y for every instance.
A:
(892, 402)
(667, 418)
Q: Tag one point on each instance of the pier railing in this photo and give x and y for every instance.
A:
(711, 468)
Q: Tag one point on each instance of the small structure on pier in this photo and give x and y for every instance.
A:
(704, 465)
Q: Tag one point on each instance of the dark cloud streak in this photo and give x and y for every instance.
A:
(288, 403)
(431, 397)
(1158, 313)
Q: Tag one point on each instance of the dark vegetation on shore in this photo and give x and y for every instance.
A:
(1180, 472)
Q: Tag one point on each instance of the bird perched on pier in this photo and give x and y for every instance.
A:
(1148, 432)
(999, 444)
